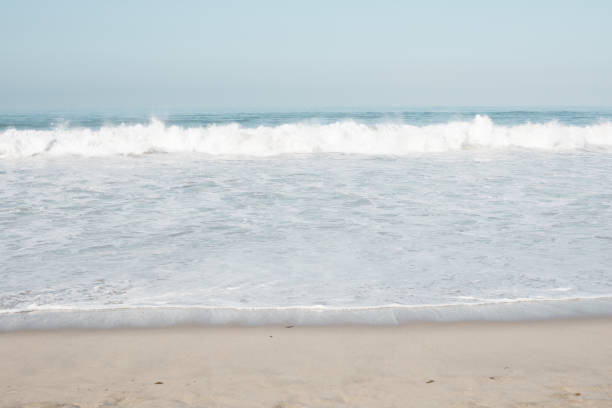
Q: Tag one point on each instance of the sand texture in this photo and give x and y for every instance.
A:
(565, 363)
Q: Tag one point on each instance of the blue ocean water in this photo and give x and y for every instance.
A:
(305, 217)
(41, 120)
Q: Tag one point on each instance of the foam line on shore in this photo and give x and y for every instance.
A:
(238, 316)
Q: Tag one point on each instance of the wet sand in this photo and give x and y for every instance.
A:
(563, 363)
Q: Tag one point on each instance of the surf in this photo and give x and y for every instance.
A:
(344, 137)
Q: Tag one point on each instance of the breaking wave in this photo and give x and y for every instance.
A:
(347, 137)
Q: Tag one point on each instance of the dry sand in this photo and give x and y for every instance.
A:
(564, 363)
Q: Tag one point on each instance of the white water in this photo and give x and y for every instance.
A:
(485, 222)
(302, 138)
(49, 319)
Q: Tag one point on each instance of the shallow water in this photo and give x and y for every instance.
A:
(341, 214)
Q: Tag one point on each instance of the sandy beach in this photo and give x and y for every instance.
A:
(563, 363)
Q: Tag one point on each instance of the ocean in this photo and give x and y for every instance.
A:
(319, 217)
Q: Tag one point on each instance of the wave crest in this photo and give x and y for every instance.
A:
(302, 138)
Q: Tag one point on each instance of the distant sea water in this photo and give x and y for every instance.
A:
(304, 217)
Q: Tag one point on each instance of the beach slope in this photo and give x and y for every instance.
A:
(562, 363)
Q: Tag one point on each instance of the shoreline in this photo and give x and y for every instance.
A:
(549, 363)
(596, 319)
(219, 316)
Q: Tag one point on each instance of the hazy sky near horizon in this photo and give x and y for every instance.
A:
(311, 54)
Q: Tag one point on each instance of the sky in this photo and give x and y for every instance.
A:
(302, 55)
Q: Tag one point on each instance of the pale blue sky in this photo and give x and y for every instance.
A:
(309, 54)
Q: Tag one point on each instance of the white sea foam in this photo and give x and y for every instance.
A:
(511, 310)
(302, 138)
(187, 239)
